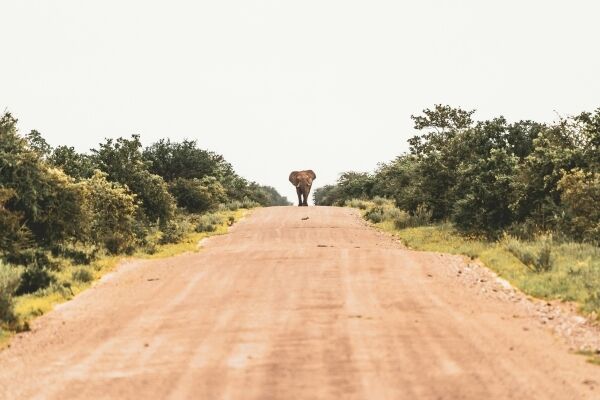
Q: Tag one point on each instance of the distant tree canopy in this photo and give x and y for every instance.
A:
(111, 198)
(491, 176)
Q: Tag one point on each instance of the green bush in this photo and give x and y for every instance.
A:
(14, 235)
(198, 195)
(174, 231)
(123, 162)
(537, 255)
(10, 278)
(249, 203)
(580, 195)
(233, 205)
(208, 223)
(420, 217)
(33, 279)
(205, 227)
(379, 201)
(356, 203)
(33, 256)
(48, 204)
(113, 214)
(82, 275)
(76, 251)
(153, 196)
(375, 215)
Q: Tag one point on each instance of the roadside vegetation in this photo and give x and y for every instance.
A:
(522, 197)
(68, 217)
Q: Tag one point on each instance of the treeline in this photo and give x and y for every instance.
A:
(489, 177)
(57, 202)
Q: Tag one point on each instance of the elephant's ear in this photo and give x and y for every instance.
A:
(294, 178)
(312, 173)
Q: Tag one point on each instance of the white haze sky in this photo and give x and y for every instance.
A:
(282, 85)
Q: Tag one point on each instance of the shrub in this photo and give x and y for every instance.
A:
(122, 161)
(82, 275)
(63, 209)
(198, 195)
(374, 215)
(10, 278)
(205, 227)
(249, 203)
(379, 201)
(328, 195)
(580, 196)
(208, 223)
(78, 252)
(174, 231)
(420, 217)
(33, 279)
(113, 214)
(403, 221)
(14, 236)
(356, 203)
(537, 261)
(47, 201)
(33, 257)
(231, 206)
(153, 195)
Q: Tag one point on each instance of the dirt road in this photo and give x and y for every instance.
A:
(286, 308)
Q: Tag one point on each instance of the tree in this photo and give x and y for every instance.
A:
(580, 195)
(77, 165)
(198, 195)
(173, 160)
(48, 200)
(113, 213)
(123, 162)
(38, 144)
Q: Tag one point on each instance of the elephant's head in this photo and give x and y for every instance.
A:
(302, 180)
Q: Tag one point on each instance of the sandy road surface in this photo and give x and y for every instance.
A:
(324, 308)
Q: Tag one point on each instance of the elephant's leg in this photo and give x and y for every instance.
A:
(305, 194)
(299, 193)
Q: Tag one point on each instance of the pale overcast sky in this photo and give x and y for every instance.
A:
(282, 85)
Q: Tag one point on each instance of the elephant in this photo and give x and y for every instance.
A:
(303, 181)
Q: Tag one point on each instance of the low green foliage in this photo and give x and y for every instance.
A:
(175, 230)
(198, 195)
(536, 255)
(82, 274)
(34, 278)
(113, 214)
(420, 217)
(208, 223)
(580, 195)
(356, 203)
(10, 278)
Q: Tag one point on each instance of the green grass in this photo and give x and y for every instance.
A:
(69, 282)
(573, 272)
